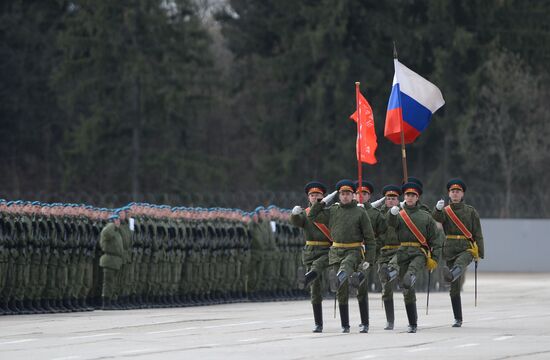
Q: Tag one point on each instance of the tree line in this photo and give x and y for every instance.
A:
(179, 96)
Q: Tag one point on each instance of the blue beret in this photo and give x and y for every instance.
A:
(258, 209)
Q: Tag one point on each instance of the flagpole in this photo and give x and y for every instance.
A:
(403, 150)
(358, 147)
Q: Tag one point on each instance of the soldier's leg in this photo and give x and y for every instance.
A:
(363, 301)
(110, 280)
(387, 297)
(458, 267)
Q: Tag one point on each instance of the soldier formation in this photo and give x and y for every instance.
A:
(74, 257)
(405, 240)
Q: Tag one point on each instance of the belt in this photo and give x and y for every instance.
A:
(347, 245)
(390, 247)
(412, 243)
(318, 243)
(457, 237)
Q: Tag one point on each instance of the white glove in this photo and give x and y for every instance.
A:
(377, 203)
(297, 210)
(402, 204)
(440, 204)
(365, 265)
(327, 199)
(394, 210)
(362, 205)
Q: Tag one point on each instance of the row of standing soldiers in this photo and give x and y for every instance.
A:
(72, 257)
(401, 240)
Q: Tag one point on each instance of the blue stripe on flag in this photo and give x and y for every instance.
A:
(415, 114)
(393, 103)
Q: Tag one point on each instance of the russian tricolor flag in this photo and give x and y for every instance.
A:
(414, 98)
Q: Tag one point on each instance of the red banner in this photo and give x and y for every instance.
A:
(366, 137)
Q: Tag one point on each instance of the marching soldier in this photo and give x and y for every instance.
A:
(386, 249)
(463, 243)
(419, 247)
(379, 226)
(316, 249)
(350, 229)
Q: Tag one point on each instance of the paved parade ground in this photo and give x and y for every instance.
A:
(512, 321)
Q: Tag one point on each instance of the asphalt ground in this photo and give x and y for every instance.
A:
(511, 321)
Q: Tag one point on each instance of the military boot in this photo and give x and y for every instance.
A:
(22, 308)
(409, 280)
(107, 304)
(37, 305)
(390, 315)
(388, 273)
(364, 313)
(46, 306)
(452, 274)
(28, 305)
(412, 316)
(3, 310)
(59, 305)
(12, 306)
(457, 310)
(318, 317)
(344, 317)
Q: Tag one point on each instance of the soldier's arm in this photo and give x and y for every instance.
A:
(298, 220)
(434, 240)
(368, 237)
(319, 213)
(392, 220)
(477, 233)
(382, 226)
(438, 215)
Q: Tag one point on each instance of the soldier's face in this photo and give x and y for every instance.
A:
(365, 195)
(411, 199)
(391, 201)
(345, 197)
(314, 197)
(456, 195)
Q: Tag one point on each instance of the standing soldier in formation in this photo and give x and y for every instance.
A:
(360, 278)
(316, 249)
(463, 243)
(386, 248)
(419, 247)
(111, 261)
(351, 230)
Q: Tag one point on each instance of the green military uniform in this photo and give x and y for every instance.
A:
(315, 253)
(111, 244)
(412, 257)
(458, 250)
(350, 228)
(386, 248)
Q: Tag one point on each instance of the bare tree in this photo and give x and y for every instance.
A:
(508, 128)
